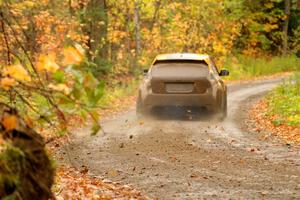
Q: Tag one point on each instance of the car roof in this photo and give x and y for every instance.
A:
(182, 56)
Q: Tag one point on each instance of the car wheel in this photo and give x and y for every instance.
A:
(222, 111)
(224, 108)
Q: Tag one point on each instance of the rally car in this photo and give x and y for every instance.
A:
(183, 80)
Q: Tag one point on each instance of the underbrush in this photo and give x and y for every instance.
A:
(284, 102)
(118, 90)
(242, 67)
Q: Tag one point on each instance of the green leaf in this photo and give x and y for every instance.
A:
(95, 115)
(59, 76)
(99, 92)
(96, 128)
(77, 91)
(93, 88)
(62, 132)
(83, 114)
(277, 122)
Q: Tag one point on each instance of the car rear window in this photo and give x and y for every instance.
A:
(180, 68)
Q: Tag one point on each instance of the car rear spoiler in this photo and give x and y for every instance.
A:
(180, 61)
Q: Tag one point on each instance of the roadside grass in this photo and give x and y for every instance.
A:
(284, 103)
(242, 67)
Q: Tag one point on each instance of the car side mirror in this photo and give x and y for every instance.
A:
(145, 71)
(224, 72)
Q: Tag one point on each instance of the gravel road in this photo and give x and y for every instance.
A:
(192, 159)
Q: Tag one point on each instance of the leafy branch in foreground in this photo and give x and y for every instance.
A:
(56, 92)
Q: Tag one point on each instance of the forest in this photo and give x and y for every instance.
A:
(64, 60)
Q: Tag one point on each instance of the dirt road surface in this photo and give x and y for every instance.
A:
(193, 159)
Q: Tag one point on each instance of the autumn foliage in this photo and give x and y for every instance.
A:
(55, 55)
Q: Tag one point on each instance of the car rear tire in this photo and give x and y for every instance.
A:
(222, 111)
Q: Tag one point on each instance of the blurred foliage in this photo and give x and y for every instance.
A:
(244, 67)
(55, 55)
(106, 29)
(284, 102)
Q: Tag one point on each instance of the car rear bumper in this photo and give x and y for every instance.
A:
(195, 100)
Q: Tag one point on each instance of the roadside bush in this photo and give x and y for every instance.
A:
(284, 102)
(242, 67)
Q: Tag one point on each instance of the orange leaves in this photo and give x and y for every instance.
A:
(263, 122)
(73, 55)
(9, 122)
(72, 184)
(6, 83)
(47, 63)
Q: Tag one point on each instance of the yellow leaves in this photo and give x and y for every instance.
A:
(17, 72)
(9, 122)
(73, 55)
(270, 27)
(295, 117)
(23, 5)
(269, 5)
(12, 74)
(6, 83)
(47, 63)
(219, 48)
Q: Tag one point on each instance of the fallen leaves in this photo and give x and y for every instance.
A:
(73, 184)
(264, 123)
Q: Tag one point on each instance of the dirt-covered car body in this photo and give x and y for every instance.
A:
(186, 80)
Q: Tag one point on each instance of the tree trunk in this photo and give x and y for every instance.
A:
(71, 10)
(103, 51)
(129, 38)
(137, 28)
(156, 14)
(298, 5)
(287, 11)
(5, 38)
(96, 21)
